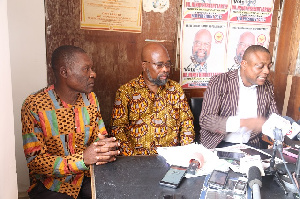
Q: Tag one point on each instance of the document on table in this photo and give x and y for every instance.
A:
(181, 156)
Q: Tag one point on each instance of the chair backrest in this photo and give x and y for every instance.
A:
(196, 106)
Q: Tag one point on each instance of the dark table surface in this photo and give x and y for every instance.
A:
(138, 177)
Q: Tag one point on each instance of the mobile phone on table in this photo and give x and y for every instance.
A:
(230, 155)
(241, 186)
(173, 176)
(218, 179)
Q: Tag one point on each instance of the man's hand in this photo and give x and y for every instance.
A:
(253, 124)
(102, 151)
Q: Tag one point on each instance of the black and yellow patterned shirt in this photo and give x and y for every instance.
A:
(143, 120)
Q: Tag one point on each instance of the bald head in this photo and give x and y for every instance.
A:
(202, 46)
(253, 49)
(152, 50)
(203, 34)
(246, 39)
(156, 65)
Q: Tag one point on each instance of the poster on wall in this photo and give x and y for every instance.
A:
(252, 11)
(201, 43)
(240, 37)
(156, 5)
(122, 16)
(214, 10)
(233, 25)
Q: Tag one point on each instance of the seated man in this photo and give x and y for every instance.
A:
(151, 111)
(63, 131)
(237, 103)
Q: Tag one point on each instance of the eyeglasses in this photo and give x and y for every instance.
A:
(244, 45)
(160, 65)
(204, 44)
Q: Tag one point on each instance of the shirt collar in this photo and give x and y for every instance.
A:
(241, 81)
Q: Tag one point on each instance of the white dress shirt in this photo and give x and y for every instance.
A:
(247, 108)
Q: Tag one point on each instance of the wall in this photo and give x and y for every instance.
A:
(8, 176)
(116, 56)
(286, 83)
(26, 22)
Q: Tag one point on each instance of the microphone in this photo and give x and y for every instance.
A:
(255, 181)
(276, 121)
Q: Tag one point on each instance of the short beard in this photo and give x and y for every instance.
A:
(157, 81)
(198, 59)
(238, 58)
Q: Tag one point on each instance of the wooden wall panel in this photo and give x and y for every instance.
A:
(293, 109)
(286, 60)
(116, 55)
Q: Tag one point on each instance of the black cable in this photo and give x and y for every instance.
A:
(289, 173)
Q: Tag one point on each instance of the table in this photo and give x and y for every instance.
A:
(137, 177)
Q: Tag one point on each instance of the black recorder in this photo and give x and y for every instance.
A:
(217, 179)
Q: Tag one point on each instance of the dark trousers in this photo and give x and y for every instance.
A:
(41, 192)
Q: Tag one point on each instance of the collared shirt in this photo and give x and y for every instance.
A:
(55, 134)
(247, 108)
(196, 67)
(234, 66)
(143, 120)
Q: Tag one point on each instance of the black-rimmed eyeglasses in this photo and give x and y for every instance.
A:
(160, 65)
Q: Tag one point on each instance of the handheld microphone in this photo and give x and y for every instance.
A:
(255, 181)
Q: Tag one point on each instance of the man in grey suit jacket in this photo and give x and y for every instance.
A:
(237, 103)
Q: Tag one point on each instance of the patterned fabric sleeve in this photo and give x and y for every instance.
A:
(187, 133)
(272, 107)
(119, 122)
(39, 160)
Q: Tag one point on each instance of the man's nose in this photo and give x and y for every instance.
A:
(165, 68)
(266, 70)
(93, 74)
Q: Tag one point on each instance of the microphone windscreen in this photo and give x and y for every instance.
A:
(254, 176)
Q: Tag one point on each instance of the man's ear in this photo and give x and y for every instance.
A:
(144, 66)
(63, 71)
(243, 64)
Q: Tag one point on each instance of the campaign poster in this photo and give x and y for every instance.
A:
(202, 52)
(240, 37)
(207, 10)
(252, 11)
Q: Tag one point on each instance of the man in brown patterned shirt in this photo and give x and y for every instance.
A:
(151, 111)
(63, 131)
